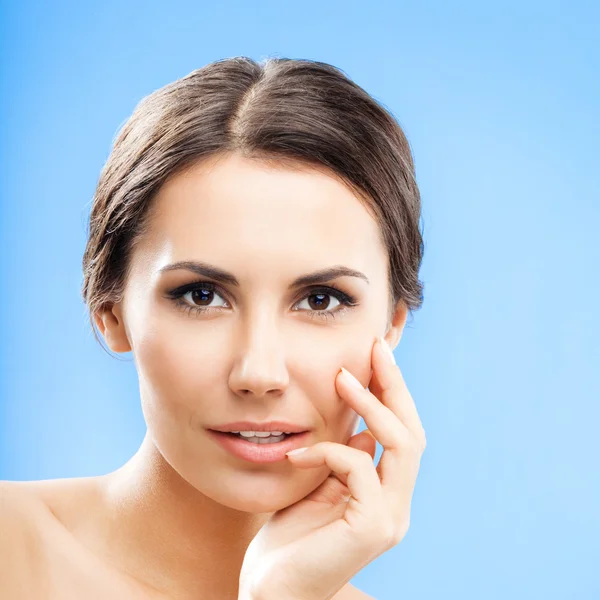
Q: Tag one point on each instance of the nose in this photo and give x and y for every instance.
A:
(260, 368)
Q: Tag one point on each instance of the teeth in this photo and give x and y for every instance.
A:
(261, 434)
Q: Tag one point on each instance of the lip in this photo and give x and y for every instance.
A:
(270, 426)
(259, 453)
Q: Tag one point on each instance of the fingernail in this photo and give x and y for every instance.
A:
(351, 379)
(297, 451)
(387, 350)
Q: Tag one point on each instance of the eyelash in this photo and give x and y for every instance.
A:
(346, 300)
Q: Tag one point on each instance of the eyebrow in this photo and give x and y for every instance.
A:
(321, 276)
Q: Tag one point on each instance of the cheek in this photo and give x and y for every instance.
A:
(345, 423)
(173, 372)
(341, 420)
(320, 364)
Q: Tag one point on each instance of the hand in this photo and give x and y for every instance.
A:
(311, 549)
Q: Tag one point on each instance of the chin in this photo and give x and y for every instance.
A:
(255, 505)
(255, 493)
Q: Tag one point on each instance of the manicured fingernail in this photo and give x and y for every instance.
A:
(351, 379)
(387, 350)
(297, 451)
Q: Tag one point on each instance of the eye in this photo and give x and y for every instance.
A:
(321, 303)
(187, 297)
(204, 293)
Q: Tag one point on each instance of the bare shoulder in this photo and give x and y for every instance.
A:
(19, 548)
(27, 507)
(29, 514)
(63, 500)
(19, 510)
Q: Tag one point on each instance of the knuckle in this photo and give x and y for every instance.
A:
(393, 535)
(413, 447)
(366, 458)
(396, 531)
(383, 536)
(401, 531)
(405, 437)
(362, 457)
(420, 441)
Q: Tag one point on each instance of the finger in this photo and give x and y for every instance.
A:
(364, 441)
(381, 421)
(388, 385)
(401, 451)
(355, 466)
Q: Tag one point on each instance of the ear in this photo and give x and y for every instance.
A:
(112, 326)
(396, 325)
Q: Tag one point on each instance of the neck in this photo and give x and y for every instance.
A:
(168, 535)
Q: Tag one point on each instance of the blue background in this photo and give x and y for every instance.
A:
(500, 105)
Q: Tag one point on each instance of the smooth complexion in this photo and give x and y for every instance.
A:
(180, 514)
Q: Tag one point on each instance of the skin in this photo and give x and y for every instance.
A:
(178, 517)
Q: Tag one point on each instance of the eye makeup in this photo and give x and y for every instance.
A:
(177, 295)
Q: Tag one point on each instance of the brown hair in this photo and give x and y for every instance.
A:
(281, 109)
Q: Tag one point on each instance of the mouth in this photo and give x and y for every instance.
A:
(260, 449)
(271, 439)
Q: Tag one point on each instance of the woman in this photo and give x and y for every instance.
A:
(254, 230)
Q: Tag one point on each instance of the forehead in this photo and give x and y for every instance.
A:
(235, 208)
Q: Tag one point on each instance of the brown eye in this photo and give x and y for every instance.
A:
(320, 301)
(201, 297)
(202, 294)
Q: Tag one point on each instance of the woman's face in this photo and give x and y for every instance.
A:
(256, 351)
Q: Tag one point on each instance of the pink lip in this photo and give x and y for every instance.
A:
(283, 426)
(259, 453)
